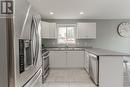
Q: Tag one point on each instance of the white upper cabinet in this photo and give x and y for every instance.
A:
(86, 30)
(45, 30)
(52, 30)
(48, 30)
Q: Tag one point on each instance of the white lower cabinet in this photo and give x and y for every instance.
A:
(57, 59)
(75, 59)
(52, 59)
(66, 59)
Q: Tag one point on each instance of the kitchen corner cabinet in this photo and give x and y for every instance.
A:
(48, 30)
(66, 59)
(86, 30)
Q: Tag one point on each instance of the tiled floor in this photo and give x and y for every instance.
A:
(68, 78)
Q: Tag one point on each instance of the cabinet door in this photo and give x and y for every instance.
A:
(60, 59)
(75, 59)
(57, 59)
(45, 29)
(86, 30)
(86, 64)
(81, 30)
(52, 59)
(52, 30)
(91, 30)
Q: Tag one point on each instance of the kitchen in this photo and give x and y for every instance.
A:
(71, 56)
(65, 43)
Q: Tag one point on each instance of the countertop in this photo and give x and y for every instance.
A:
(67, 48)
(96, 51)
(104, 52)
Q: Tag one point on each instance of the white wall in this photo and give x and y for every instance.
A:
(108, 38)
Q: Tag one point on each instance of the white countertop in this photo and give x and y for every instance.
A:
(104, 52)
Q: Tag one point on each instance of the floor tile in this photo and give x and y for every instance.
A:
(58, 84)
(79, 84)
(68, 78)
(45, 85)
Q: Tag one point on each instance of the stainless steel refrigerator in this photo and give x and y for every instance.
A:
(20, 60)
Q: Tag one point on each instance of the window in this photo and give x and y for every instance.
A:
(66, 33)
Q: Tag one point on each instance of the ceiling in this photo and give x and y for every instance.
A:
(93, 9)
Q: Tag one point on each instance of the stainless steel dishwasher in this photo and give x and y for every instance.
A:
(94, 68)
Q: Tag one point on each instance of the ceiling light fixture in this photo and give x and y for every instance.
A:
(81, 12)
(51, 13)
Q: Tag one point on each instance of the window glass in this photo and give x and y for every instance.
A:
(62, 35)
(66, 34)
(70, 35)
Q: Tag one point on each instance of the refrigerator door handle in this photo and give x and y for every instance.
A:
(37, 41)
(31, 37)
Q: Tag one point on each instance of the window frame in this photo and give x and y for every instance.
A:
(66, 25)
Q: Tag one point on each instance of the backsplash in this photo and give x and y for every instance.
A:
(53, 43)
